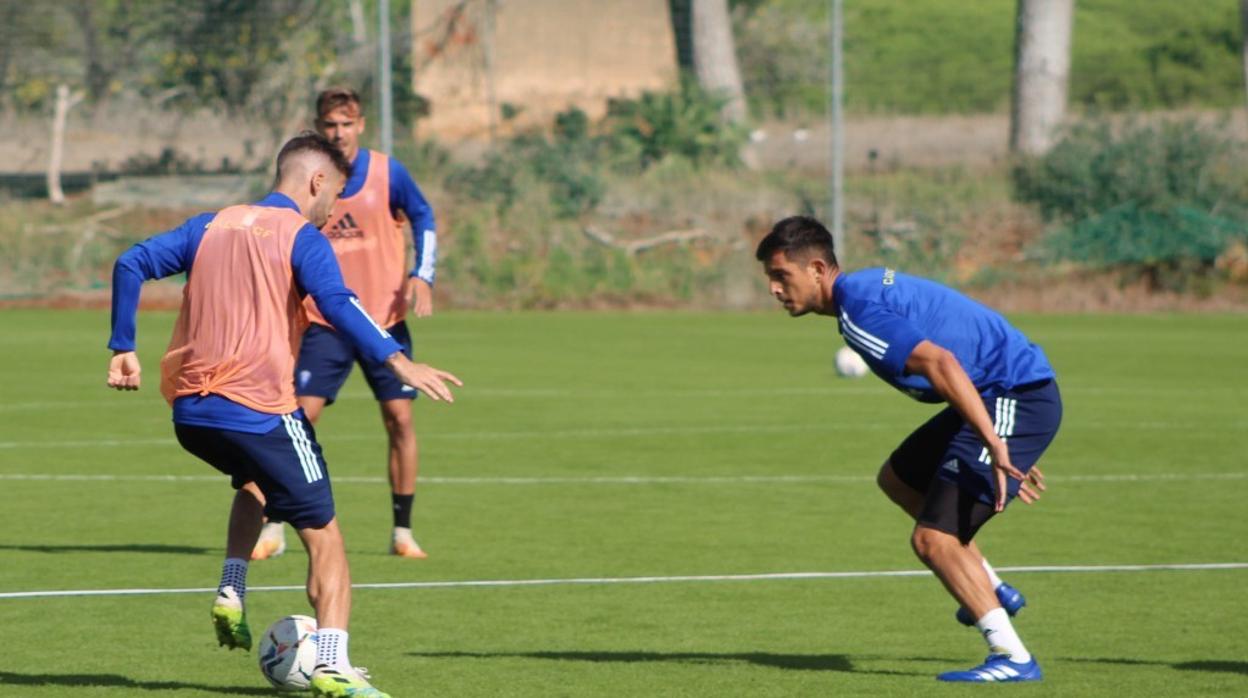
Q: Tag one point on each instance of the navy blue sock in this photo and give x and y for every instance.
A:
(402, 509)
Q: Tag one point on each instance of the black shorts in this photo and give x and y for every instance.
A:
(945, 460)
(286, 464)
(326, 358)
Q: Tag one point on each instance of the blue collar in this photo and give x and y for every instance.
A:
(359, 173)
(836, 286)
(278, 200)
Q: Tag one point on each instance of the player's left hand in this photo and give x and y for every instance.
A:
(1030, 488)
(1004, 469)
(419, 297)
(124, 371)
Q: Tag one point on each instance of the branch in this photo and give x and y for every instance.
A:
(633, 247)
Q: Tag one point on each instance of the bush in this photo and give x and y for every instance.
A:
(686, 122)
(1167, 198)
(566, 164)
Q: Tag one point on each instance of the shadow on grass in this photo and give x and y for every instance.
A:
(794, 662)
(116, 548)
(8, 678)
(1230, 667)
(1209, 665)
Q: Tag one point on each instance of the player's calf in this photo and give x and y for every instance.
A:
(1012, 600)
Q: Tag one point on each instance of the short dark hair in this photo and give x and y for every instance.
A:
(797, 236)
(336, 98)
(313, 142)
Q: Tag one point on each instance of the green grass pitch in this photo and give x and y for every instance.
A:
(622, 445)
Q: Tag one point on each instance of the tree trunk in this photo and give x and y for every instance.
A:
(1243, 25)
(1041, 73)
(715, 56)
(64, 102)
(358, 33)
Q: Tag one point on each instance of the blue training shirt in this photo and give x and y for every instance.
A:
(405, 197)
(883, 315)
(316, 273)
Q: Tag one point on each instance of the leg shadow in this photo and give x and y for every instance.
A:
(118, 548)
(789, 662)
(9, 678)
(1209, 665)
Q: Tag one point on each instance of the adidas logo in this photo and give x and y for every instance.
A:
(951, 466)
(344, 228)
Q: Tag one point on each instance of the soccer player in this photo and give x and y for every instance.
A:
(366, 232)
(228, 374)
(961, 467)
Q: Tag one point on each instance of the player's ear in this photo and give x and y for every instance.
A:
(316, 183)
(361, 123)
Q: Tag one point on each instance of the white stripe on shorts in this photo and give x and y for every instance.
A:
(303, 448)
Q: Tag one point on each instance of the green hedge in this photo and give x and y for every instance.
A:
(1166, 198)
(955, 56)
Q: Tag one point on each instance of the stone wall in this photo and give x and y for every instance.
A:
(534, 58)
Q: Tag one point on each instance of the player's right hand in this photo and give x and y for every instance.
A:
(423, 377)
(124, 371)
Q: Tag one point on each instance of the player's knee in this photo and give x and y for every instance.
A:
(885, 479)
(398, 422)
(929, 544)
(251, 489)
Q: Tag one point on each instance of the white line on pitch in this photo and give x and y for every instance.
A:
(617, 432)
(488, 393)
(491, 435)
(612, 480)
(608, 393)
(770, 576)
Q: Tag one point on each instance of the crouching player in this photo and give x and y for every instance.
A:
(958, 470)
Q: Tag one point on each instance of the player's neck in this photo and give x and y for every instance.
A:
(827, 287)
(300, 195)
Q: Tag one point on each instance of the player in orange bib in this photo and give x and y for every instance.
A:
(228, 377)
(366, 231)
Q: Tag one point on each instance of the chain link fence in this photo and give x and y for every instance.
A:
(570, 155)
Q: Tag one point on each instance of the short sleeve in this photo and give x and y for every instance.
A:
(882, 336)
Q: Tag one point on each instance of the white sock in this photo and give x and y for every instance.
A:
(992, 574)
(234, 574)
(999, 632)
(331, 648)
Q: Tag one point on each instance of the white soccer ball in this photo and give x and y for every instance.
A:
(849, 364)
(288, 653)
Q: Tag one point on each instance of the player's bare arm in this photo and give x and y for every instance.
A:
(942, 369)
(124, 371)
(419, 296)
(425, 378)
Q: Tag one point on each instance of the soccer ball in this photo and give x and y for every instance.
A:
(288, 653)
(849, 364)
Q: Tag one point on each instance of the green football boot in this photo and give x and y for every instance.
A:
(342, 684)
(230, 620)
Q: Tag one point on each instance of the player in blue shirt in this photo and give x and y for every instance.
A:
(228, 375)
(961, 467)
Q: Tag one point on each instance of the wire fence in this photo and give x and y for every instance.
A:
(171, 107)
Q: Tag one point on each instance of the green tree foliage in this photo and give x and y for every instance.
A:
(953, 56)
(222, 50)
